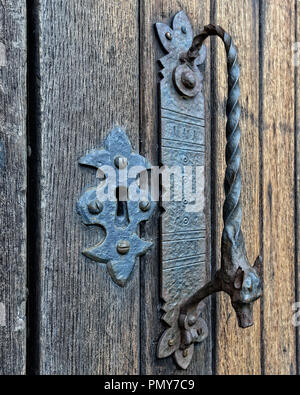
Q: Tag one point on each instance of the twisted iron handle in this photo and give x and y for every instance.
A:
(232, 212)
(236, 277)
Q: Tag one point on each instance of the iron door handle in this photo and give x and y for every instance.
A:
(236, 277)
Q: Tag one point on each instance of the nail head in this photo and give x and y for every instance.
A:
(123, 247)
(171, 342)
(169, 36)
(145, 205)
(120, 162)
(95, 207)
(192, 320)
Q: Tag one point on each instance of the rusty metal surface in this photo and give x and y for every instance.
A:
(120, 219)
(236, 277)
(183, 250)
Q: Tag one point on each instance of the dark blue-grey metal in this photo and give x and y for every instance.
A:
(117, 215)
(236, 277)
(184, 246)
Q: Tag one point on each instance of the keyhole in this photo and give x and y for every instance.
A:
(122, 217)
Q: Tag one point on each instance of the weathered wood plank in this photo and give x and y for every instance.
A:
(297, 159)
(89, 84)
(238, 350)
(13, 187)
(151, 326)
(278, 121)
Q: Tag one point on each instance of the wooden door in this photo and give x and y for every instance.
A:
(69, 72)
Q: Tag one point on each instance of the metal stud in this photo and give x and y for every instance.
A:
(168, 36)
(120, 162)
(171, 342)
(123, 247)
(192, 320)
(145, 205)
(188, 79)
(95, 207)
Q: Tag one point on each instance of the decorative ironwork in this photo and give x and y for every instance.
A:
(119, 217)
(236, 277)
(183, 233)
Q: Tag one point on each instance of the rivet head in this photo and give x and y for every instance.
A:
(183, 29)
(120, 162)
(188, 79)
(145, 205)
(123, 247)
(95, 207)
(171, 342)
(168, 36)
(192, 320)
(185, 352)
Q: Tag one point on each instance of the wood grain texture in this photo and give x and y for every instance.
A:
(297, 163)
(151, 325)
(278, 121)
(238, 350)
(98, 69)
(89, 84)
(13, 187)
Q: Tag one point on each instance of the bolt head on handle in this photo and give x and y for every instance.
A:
(187, 80)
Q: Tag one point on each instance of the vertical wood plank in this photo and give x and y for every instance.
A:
(152, 327)
(297, 161)
(13, 187)
(238, 350)
(89, 83)
(278, 35)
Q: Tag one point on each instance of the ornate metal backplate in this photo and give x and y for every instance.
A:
(183, 251)
(118, 217)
